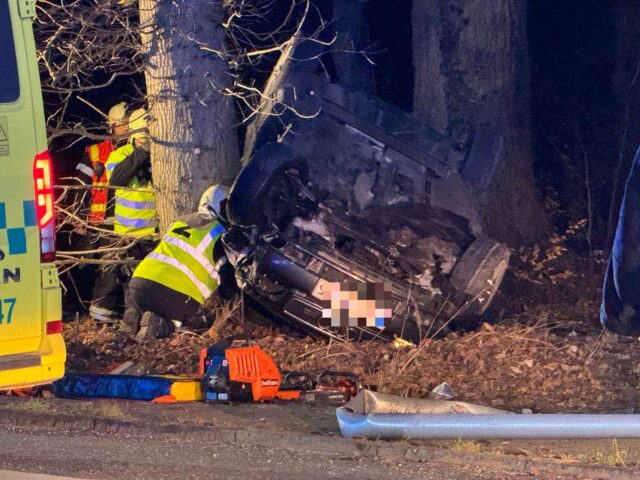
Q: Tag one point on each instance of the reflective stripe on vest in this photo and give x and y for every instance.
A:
(98, 154)
(94, 153)
(197, 256)
(136, 222)
(98, 207)
(88, 171)
(204, 290)
(219, 230)
(190, 254)
(135, 210)
(133, 204)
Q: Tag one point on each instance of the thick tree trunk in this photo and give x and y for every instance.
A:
(192, 122)
(471, 68)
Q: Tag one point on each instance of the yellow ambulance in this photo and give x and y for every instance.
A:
(32, 350)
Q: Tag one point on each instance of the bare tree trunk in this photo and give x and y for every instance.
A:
(192, 123)
(471, 68)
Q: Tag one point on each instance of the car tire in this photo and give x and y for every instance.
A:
(478, 274)
(250, 191)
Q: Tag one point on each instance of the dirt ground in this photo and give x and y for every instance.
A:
(540, 348)
(156, 457)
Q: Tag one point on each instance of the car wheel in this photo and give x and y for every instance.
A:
(478, 274)
(256, 196)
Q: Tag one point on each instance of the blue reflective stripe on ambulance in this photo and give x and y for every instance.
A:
(16, 236)
(17, 241)
(29, 211)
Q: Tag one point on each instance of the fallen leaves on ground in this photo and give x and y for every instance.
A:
(544, 352)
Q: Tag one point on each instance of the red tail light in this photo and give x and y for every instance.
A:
(43, 182)
(54, 327)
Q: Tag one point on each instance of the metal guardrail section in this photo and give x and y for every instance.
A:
(389, 426)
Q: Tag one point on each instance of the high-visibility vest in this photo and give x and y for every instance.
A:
(98, 153)
(135, 210)
(183, 261)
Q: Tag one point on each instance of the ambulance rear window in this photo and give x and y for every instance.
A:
(9, 83)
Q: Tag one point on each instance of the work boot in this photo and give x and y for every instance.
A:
(153, 326)
(131, 321)
(101, 314)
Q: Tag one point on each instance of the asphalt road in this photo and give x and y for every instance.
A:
(13, 475)
(112, 456)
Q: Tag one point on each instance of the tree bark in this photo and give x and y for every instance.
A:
(471, 68)
(191, 122)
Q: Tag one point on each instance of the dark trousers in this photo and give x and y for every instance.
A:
(108, 290)
(148, 296)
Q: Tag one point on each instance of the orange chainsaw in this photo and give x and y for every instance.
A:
(247, 373)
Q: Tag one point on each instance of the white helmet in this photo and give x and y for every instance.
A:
(117, 114)
(138, 124)
(212, 199)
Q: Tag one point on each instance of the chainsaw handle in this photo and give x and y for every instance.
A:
(296, 379)
(325, 382)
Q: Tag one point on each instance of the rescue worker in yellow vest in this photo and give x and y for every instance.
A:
(130, 166)
(188, 266)
(91, 168)
(134, 213)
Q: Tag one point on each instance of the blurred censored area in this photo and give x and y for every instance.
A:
(356, 304)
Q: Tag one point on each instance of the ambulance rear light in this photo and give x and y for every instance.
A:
(43, 183)
(54, 327)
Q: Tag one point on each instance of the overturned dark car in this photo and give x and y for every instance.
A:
(364, 194)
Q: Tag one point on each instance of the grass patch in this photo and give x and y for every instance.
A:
(616, 456)
(466, 446)
(38, 405)
(109, 410)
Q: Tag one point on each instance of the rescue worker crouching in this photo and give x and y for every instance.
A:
(134, 214)
(188, 266)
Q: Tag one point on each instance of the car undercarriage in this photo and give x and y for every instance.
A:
(350, 197)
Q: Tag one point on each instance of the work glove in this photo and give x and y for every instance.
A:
(228, 287)
(144, 176)
(98, 169)
(142, 162)
(141, 158)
